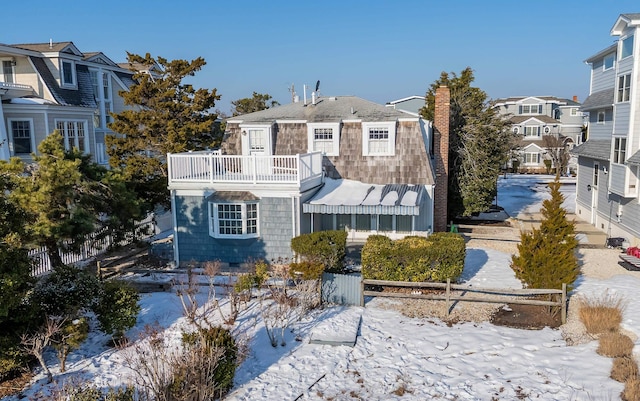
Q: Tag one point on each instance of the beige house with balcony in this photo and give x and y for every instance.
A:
(54, 86)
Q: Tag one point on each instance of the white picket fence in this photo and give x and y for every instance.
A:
(94, 245)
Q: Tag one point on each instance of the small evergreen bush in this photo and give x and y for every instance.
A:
(306, 270)
(117, 309)
(435, 258)
(326, 247)
(67, 291)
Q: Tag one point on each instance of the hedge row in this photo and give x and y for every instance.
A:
(326, 247)
(435, 258)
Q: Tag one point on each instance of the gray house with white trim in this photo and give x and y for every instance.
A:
(609, 161)
(330, 163)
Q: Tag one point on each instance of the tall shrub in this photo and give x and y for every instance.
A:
(326, 247)
(117, 310)
(547, 256)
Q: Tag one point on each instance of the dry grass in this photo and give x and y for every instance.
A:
(624, 368)
(601, 314)
(631, 390)
(615, 345)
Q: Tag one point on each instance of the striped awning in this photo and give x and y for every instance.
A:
(354, 197)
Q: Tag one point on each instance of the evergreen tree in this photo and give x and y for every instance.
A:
(256, 102)
(479, 143)
(547, 256)
(167, 116)
(66, 197)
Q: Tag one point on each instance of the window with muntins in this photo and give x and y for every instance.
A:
(619, 150)
(601, 117)
(627, 47)
(532, 158)
(378, 140)
(323, 140)
(74, 134)
(531, 109)
(21, 135)
(257, 141)
(234, 220)
(624, 88)
(532, 131)
(596, 168)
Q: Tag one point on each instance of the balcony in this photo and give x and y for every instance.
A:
(9, 90)
(206, 169)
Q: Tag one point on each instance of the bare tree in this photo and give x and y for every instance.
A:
(558, 151)
(36, 343)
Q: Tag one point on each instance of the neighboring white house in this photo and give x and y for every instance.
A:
(54, 86)
(609, 160)
(535, 117)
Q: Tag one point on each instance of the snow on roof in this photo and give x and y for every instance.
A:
(30, 100)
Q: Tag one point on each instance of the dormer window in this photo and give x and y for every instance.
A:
(323, 137)
(67, 73)
(530, 109)
(379, 139)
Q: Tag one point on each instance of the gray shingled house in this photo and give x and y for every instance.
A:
(607, 192)
(533, 118)
(49, 86)
(328, 163)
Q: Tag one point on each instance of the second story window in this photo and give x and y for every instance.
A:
(627, 47)
(624, 88)
(601, 117)
(7, 71)
(379, 139)
(531, 109)
(619, 150)
(596, 168)
(574, 111)
(608, 61)
(67, 73)
(532, 131)
(324, 137)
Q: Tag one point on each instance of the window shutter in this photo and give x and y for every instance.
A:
(519, 109)
(540, 109)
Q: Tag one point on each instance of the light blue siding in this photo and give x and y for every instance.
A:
(617, 173)
(601, 130)
(195, 244)
(621, 126)
(601, 80)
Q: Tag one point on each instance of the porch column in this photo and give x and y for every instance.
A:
(4, 137)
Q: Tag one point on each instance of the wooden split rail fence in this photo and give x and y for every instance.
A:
(458, 293)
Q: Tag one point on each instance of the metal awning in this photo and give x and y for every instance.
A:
(354, 197)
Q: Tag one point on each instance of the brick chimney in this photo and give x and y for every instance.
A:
(575, 98)
(441, 157)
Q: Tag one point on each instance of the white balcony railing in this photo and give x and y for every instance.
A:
(211, 167)
(12, 86)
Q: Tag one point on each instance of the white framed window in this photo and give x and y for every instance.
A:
(531, 109)
(324, 138)
(624, 88)
(608, 62)
(8, 72)
(516, 130)
(74, 133)
(532, 131)
(67, 73)
(546, 130)
(574, 111)
(531, 158)
(619, 150)
(22, 138)
(233, 220)
(601, 117)
(626, 49)
(596, 169)
(379, 139)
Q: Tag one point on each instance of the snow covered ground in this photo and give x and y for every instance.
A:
(396, 357)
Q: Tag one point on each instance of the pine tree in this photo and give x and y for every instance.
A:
(166, 116)
(479, 143)
(256, 102)
(547, 256)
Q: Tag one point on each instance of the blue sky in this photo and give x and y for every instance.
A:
(374, 49)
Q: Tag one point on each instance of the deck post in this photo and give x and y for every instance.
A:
(361, 291)
(448, 297)
(563, 313)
